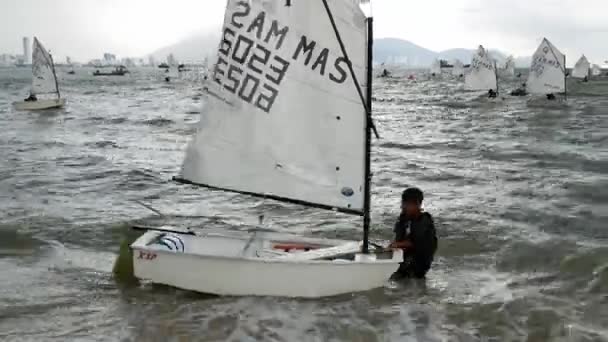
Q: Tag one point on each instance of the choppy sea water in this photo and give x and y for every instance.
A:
(519, 195)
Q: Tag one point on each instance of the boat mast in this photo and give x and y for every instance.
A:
(565, 79)
(496, 75)
(55, 76)
(369, 122)
(368, 136)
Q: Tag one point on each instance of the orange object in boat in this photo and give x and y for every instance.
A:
(293, 246)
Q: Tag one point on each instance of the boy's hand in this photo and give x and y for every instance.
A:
(407, 244)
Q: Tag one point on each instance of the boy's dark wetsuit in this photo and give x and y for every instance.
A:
(421, 232)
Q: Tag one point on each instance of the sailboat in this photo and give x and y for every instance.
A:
(581, 68)
(508, 69)
(68, 61)
(44, 82)
(482, 72)
(596, 70)
(436, 68)
(119, 70)
(458, 69)
(312, 94)
(548, 70)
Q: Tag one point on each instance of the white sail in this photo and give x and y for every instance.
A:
(284, 117)
(43, 71)
(581, 68)
(482, 73)
(509, 67)
(458, 68)
(436, 67)
(547, 73)
(596, 70)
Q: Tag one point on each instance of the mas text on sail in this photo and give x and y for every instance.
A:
(256, 53)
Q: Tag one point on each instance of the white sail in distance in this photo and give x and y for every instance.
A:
(482, 73)
(581, 68)
(436, 67)
(284, 118)
(458, 68)
(509, 67)
(44, 80)
(596, 70)
(548, 70)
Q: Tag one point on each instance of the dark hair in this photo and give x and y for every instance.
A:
(412, 194)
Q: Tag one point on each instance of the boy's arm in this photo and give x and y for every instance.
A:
(401, 240)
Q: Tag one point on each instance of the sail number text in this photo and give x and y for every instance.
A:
(146, 255)
(252, 61)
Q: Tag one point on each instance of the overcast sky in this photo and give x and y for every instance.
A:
(84, 29)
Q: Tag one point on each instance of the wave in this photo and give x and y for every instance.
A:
(402, 146)
(14, 243)
(159, 122)
(103, 144)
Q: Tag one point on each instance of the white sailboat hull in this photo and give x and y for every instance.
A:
(240, 266)
(40, 104)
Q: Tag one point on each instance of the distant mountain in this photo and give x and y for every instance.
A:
(398, 51)
(193, 48)
(523, 62)
(465, 55)
(386, 50)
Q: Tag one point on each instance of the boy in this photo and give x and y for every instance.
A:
(415, 233)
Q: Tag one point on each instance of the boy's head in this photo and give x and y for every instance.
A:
(411, 201)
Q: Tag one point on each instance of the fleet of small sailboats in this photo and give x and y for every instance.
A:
(44, 93)
(547, 76)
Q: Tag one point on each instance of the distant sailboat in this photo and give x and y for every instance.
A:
(171, 74)
(458, 69)
(581, 68)
(482, 72)
(312, 94)
(120, 70)
(508, 69)
(68, 61)
(596, 70)
(44, 82)
(436, 68)
(548, 70)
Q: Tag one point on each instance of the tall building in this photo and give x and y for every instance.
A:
(27, 51)
(109, 59)
(171, 60)
(7, 60)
